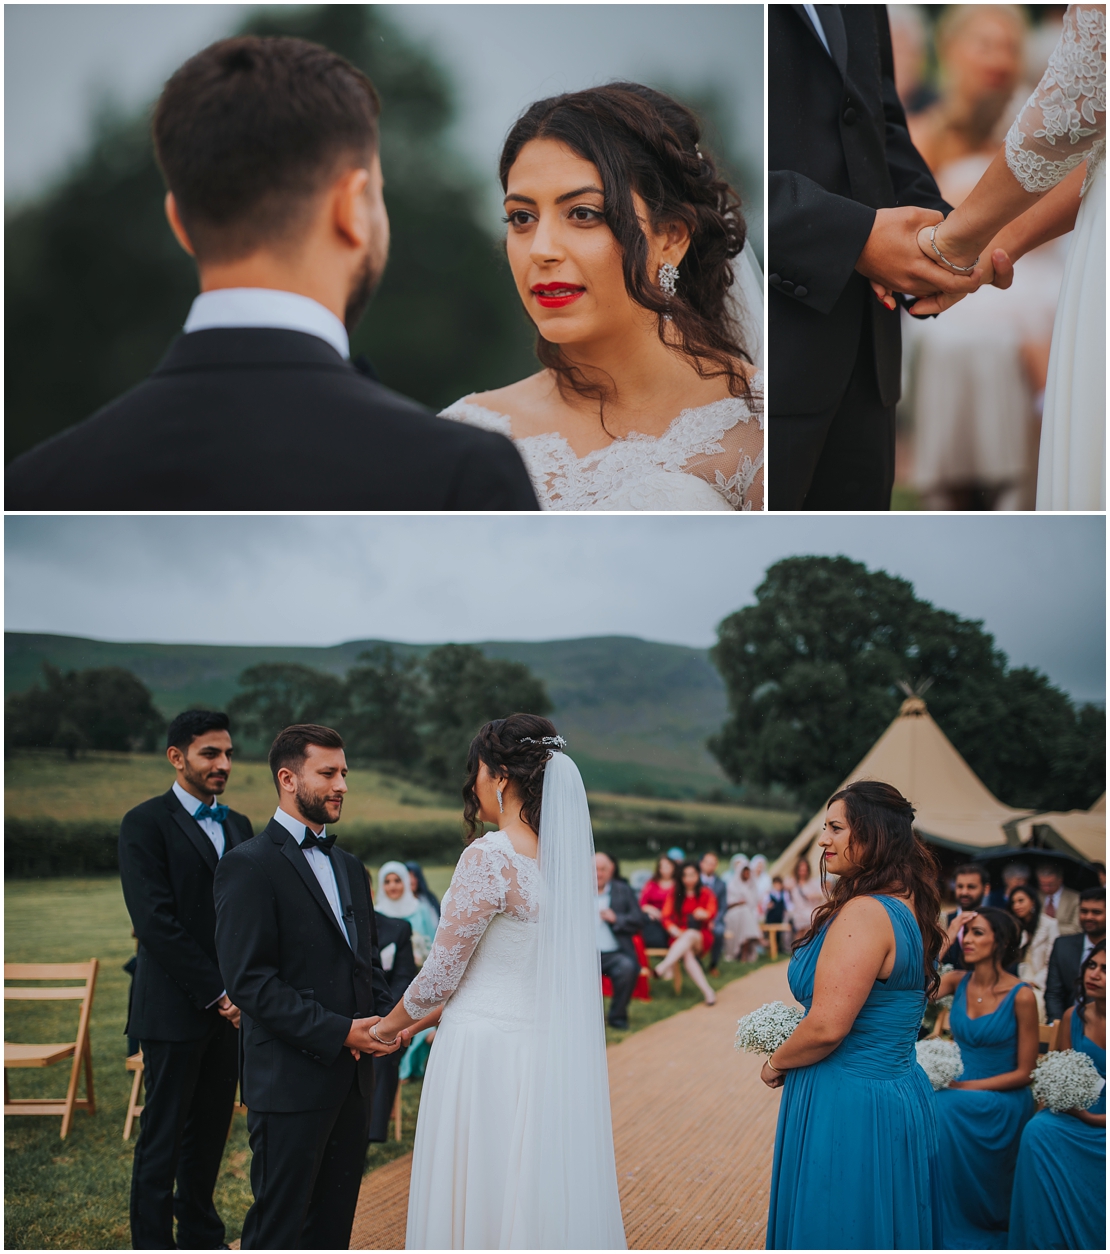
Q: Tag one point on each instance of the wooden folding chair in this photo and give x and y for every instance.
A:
(134, 1106)
(79, 1050)
(772, 931)
(1048, 1036)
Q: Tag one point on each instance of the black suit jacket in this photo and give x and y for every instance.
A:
(838, 149)
(167, 864)
(260, 419)
(397, 932)
(1063, 975)
(292, 972)
(630, 918)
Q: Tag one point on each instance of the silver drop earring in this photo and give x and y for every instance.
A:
(668, 279)
(500, 807)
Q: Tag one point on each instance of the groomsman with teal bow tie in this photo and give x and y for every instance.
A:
(169, 849)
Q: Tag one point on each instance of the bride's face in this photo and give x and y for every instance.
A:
(565, 260)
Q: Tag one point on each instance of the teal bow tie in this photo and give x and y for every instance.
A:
(218, 812)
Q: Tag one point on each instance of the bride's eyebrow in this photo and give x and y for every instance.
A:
(579, 191)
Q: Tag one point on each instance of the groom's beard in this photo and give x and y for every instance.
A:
(313, 805)
(363, 288)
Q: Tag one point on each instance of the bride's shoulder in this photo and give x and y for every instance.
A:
(495, 410)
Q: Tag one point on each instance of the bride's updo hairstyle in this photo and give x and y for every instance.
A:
(509, 746)
(888, 857)
(643, 141)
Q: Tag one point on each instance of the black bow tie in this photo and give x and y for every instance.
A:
(312, 841)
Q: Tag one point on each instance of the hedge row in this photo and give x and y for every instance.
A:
(40, 848)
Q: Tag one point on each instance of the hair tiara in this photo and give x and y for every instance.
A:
(557, 741)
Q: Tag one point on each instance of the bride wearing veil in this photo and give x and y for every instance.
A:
(514, 1141)
(629, 253)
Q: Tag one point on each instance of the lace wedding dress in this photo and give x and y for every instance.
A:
(710, 458)
(1063, 124)
(514, 1141)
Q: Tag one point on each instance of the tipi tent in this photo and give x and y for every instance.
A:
(1082, 832)
(954, 807)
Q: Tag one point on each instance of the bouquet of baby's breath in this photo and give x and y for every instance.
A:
(941, 1061)
(765, 1029)
(1067, 1079)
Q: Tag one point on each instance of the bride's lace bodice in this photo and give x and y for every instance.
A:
(710, 458)
(1063, 122)
(484, 954)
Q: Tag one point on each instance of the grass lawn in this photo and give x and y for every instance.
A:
(73, 1194)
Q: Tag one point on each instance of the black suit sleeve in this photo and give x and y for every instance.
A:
(491, 476)
(248, 942)
(149, 896)
(630, 918)
(1058, 992)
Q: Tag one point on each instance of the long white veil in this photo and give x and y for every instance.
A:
(568, 1170)
(746, 301)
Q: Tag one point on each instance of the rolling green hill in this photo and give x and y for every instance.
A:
(636, 713)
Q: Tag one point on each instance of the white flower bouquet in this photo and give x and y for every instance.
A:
(765, 1029)
(941, 1062)
(1067, 1079)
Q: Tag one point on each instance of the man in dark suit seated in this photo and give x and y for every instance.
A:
(1070, 952)
(169, 848)
(709, 877)
(269, 148)
(399, 965)
(971, 889)
(619, 918)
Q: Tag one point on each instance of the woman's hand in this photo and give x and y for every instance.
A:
(772, 1078)
(674, 932)
(700, 914)
(652, 912)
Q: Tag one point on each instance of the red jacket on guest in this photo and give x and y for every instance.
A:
(705, 900)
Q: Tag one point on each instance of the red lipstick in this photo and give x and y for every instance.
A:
(556, 295)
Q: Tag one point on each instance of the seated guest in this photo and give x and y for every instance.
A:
(1059, 1200)
(1070, 952)
(688, 917)
(980, 1116)
(1038, 934)
(778, 902)
(1099, 869)
(710, 878)
(396, 900)
(395, 945)
(1058, 902)
(652, 900)
(806, 894)
(420, 888)
(971, 888)
(1014, 875)
(742, 931)
(618, 920)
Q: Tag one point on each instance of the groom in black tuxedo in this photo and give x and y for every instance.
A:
(269, 148)
(298, 946)
(847, 195)
(169, 848)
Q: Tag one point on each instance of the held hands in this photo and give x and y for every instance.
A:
(360, 1040)
(229, 1010)
(892, 257)
(609, 916)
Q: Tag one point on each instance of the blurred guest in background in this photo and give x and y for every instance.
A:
(1038, 934)
(971, 888)
(688, 917)
(653, 899)
(1014, 875)
(420, 887)
(762, 877)
(742, 931)
(396, 900)
(1059, 1198)
(1058, 902)
(399, 965)
(1071, 951)
(806, 894)
(1100, 871)
(618, 920)
(778, 902)
(909, 43)
(719, 889)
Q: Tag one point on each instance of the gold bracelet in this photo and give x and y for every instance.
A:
(770, 1064)
(376, 1037)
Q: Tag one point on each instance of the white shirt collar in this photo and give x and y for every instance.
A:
(267, 307)
(294, 826)
(812, 11)
(187, 799)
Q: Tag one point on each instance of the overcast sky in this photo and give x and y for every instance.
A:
(62, 60)
(1038, 582)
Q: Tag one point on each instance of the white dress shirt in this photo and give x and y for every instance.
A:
(320, 863)
(606, 941)
(812, 11)
(267, 307)
(213, 830)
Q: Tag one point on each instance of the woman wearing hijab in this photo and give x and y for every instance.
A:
(396, 900)
(420, 887)
(742, 930)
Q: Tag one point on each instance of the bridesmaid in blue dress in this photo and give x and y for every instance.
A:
(855, 1149)
(1060, 1183)
(980, 1116)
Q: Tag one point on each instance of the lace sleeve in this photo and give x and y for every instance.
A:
(478, 891)
(734, 467)
(1064, 120)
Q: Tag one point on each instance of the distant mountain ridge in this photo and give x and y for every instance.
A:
(636, 713)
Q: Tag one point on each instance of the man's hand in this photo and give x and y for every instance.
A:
(229, 1011)
(610, 916)
(360, 1040)
(891, 257)
(997, 270)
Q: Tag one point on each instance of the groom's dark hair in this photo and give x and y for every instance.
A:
(249, 130)
(290, 747)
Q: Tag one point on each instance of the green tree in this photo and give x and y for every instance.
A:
(101, 708)
(462, 690)
(813, 671)
(384, 696)
(278, 694)
(95, 281)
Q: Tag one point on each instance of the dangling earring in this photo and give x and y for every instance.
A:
(668, 279)
(500, 807)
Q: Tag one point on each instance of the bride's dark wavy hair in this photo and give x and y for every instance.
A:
(643, 141)
(501, 746)
(889, 857)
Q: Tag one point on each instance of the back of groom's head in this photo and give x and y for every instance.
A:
(250, 130)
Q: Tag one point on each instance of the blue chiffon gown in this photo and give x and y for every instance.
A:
(856, 1140)
(1060, 1182)
(979, 1130)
